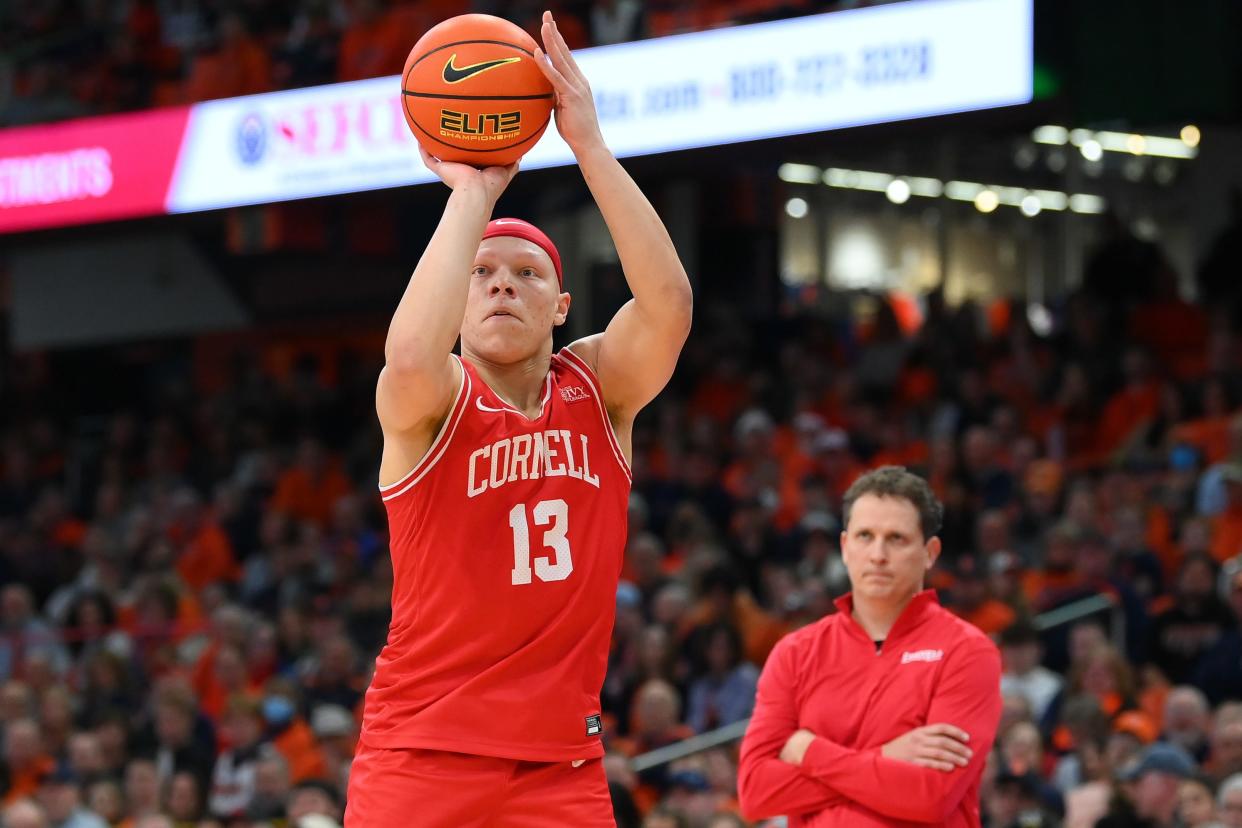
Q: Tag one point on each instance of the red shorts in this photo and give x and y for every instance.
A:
(433, 788)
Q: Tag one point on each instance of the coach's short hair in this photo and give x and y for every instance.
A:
(895, 481)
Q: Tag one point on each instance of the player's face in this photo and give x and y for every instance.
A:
(514, 301)
(884, 549)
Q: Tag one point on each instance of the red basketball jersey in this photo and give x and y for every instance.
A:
(507, 542)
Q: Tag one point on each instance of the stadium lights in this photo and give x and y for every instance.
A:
(1094, 144)
(798, 173)
(796, 207)
(899, 189)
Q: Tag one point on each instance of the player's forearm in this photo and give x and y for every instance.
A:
(768, 787)
(428, 319)
(652, 268)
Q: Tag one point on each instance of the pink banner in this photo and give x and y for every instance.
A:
(88, 170)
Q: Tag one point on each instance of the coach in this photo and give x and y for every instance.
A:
(884, 713)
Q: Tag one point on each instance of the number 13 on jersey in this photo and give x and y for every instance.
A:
(549, 568)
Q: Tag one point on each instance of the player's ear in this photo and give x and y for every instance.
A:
(562, 309)
(933, 551)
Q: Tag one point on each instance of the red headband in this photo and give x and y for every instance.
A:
(525, 230)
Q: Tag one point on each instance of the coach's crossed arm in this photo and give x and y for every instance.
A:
(969, 696)
(766, 785)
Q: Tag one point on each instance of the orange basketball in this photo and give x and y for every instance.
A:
(471, 91)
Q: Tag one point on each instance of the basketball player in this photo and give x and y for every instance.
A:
(505, 474)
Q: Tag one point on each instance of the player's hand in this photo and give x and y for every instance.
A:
(939, 746)
(796, 746)
(576, 119)
(491, 180)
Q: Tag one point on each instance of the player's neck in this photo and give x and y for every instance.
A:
(519, 384)
(878, 617)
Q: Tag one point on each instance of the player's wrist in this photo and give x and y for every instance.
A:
(476, 193)
(592, 151)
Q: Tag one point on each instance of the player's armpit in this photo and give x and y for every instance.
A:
(969, 697)
(766, 785)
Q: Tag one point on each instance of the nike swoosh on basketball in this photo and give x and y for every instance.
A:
(457, 74)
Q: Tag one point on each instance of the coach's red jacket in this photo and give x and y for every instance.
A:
(829, 678)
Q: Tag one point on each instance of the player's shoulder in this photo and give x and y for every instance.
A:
(584, 351)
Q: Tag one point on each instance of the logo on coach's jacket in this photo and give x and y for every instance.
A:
(574, 393)
(922, 655)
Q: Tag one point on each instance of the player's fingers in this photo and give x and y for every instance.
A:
(563, 47)
(559, 48)
(550, 71)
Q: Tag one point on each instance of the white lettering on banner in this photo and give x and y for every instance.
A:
(548, 453)
(922, 655)
(55, 177)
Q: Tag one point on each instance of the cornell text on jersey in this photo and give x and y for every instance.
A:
(550, 453)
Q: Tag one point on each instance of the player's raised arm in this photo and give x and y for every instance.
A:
(635, 356)
(417, 384)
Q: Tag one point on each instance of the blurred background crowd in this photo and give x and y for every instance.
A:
(196, 581)
(194, 567)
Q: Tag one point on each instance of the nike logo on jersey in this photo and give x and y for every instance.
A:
(550, 453)
(482, 406)
(457, 74)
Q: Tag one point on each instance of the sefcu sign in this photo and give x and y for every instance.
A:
(308, 142)
(324, 128)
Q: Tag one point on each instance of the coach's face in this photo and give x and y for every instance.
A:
(884, 549)
(514, 301)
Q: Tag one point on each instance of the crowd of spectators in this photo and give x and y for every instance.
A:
(194, 580)
(67, 58)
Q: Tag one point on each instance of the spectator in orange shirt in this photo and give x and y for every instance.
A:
(234, 64)
(971, 599)
(1137, 402)
(309, 490)
(25, 761)
(374, 44)
(207, 554)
